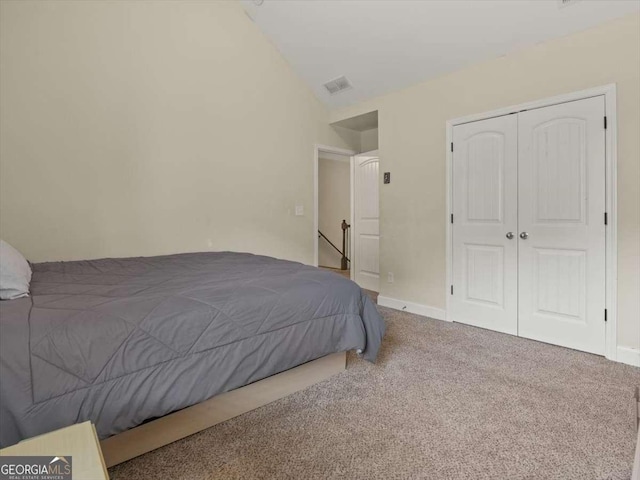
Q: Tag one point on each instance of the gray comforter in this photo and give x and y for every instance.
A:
(120, 341)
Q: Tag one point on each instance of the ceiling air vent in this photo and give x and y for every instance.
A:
(338, 85)
(566, 3)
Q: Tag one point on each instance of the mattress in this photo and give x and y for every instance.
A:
(121, 341)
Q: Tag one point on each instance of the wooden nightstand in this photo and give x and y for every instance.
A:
(78, 441)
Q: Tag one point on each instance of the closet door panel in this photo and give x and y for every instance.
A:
(485, 211)
(561, 199)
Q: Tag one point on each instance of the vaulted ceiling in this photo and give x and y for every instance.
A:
(385, 45)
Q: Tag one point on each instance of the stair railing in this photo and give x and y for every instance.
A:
(344, 261)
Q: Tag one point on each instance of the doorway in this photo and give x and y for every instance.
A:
(346, 227)
(334, 212)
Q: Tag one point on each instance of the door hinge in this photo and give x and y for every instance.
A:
(605, 314)
(451, 289)
(452, 218)
(606, 218)
(605, 122)
(452, 146)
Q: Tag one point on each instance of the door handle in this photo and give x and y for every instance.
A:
(509, 235)
(524, 235)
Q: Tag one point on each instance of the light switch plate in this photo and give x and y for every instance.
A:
(299, 210)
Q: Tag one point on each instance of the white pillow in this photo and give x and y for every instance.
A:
(15, 273)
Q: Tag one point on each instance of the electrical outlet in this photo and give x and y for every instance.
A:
(390, 277)
(299, 210)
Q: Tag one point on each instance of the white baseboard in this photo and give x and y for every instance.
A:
(411, 307)
(630, 356)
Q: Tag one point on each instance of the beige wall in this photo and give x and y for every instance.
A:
(369, 140)
(412, 147)
(141, 128)
(361, 142)
(334, 205)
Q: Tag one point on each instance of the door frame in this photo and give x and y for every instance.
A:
(317, 148)
(611, 159)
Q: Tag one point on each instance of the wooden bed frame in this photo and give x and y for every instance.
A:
(180, 424)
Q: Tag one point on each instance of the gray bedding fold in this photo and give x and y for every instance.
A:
(120, 341)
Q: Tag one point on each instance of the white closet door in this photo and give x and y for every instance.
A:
(367, 222)
(561, 198)
(485, 290)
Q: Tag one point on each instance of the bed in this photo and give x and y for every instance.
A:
(122, 341)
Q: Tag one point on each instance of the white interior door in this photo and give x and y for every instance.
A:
(561, 217)
(484, 230)
(366, 231)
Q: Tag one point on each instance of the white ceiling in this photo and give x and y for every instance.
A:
(385, 45)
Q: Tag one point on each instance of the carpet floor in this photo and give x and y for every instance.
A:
(444, 401)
